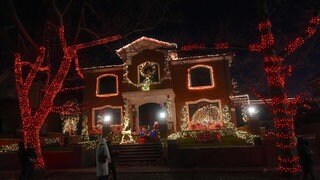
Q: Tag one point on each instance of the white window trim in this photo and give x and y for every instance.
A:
(98, 86)
(203, 100)
(200, 87)
(104, 107)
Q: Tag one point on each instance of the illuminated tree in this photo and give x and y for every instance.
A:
(276, 72)
(26, 72)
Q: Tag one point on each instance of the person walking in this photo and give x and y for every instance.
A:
(305, 155)
(23, 160)
(112, 166)
(102, 160)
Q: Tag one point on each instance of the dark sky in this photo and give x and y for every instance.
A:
(179, 21)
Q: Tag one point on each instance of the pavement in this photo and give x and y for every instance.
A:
(162, 173)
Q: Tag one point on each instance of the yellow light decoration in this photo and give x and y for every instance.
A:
(84, 130)
(126, 130)
(9, 148)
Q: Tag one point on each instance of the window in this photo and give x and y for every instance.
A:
(113, 111)
(149, 69)
(193, 107)
(107, 85)
(200, 77)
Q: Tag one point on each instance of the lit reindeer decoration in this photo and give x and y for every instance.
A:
(126, 133)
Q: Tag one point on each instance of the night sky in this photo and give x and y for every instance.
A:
(180, 21)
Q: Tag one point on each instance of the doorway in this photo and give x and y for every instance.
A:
(148, 113)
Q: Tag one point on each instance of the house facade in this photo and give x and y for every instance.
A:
(154, 79)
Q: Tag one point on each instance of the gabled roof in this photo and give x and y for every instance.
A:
(141, 44)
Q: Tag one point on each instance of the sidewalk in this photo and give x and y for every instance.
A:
(154, 173)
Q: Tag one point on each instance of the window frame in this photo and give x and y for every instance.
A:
(98, 86)
(203, 100)
(94, 122)
(200, 87)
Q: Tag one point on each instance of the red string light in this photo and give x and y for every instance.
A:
(221, 45)
(32, 121)
(192, 47)
(266, 38)
(308, 32)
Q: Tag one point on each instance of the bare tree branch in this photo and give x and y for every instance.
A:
(20, 26)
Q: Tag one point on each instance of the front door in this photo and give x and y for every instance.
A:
(148, 113)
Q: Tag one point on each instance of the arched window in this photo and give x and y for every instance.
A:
(107, 85)
(200, 77)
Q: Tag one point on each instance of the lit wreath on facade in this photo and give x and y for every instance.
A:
(147, 70)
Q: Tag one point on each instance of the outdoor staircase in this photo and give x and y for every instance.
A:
(138, 154)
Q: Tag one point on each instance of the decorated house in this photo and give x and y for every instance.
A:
(189, 91)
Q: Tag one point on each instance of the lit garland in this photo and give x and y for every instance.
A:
(9, 148)
(32, 121)
(184, 118)
(90, 145)
(168, 107)
(84, 130)
(55, 140)
(142, 70)
(70, 123)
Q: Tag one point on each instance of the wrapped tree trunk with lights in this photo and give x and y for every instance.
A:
(26, 73)
(33, 121)
(276, 72)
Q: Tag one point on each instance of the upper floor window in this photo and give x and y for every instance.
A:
(107, 85)
(149, 70)
(200, 77)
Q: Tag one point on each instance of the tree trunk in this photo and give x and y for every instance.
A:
(32, 135)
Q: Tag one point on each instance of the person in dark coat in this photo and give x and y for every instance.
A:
(31, 157)
(23, 160)
(305, 155)
(113, 155)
